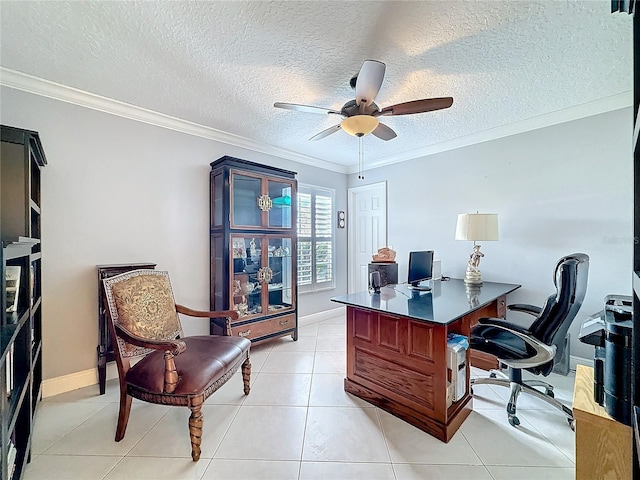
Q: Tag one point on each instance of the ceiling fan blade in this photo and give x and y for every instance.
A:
(384, 133)
(304, 108)
(326, 133)
(369, 81)
(416, 106)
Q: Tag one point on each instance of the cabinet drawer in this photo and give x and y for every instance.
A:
(264, 327)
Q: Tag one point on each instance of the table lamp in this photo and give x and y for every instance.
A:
(476, 227)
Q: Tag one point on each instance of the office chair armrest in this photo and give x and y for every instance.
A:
(501, 322)
(544, 353)
(175, 347)
(524, 308)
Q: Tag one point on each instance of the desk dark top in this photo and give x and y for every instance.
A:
(446, 302)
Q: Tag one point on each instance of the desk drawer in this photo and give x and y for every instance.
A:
(264, 327)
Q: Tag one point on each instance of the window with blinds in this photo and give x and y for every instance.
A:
(315, 238)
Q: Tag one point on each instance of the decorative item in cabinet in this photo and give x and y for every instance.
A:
(105, 347)
(21, 158)
(253, 248)
(259, 285)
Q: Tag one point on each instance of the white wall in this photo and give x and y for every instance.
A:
(558, 190)
(118, 191)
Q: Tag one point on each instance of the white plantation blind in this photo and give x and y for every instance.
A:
(315, 238)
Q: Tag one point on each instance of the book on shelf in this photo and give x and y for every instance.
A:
(32, 283)
(9, 370)
(12, 453)
(12, 286)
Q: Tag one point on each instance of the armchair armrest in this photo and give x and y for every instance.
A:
(175, 347)
(544, 353)
(227, 315)
(171, 349)
(524, 308)
(231, 314)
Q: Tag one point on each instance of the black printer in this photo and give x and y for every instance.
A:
(610, 332)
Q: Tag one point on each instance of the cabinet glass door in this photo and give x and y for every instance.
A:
(246, 263)
(246, 190)
(281, 198)
(217, 193)
(280, 263)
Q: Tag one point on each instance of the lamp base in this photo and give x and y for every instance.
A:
(473, 278)
(472, 273)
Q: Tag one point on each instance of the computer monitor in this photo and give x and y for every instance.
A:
(420, 269)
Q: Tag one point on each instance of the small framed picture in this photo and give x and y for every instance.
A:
(12, 282)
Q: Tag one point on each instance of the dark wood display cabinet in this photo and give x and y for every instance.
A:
(253, 248)
(21, 158)
(105, 345)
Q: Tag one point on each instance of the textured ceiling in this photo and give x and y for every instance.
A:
(224, 64)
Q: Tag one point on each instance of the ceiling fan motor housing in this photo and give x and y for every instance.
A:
(350, 109)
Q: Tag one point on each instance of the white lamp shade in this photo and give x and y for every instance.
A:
(477, 226)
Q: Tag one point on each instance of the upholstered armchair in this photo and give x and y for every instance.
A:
(173, 369)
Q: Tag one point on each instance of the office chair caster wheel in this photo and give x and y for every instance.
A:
(514, 421)
(549, 393)
(572, 423)
(492, 375)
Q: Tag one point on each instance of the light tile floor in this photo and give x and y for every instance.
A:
(298, 423)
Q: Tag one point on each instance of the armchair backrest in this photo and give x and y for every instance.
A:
(570, 278)
(142, 303)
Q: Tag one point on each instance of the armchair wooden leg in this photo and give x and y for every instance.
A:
(246, 375)
(195, 430)
(123, 416)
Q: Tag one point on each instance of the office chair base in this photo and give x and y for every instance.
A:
(548, 388)
(526, 386)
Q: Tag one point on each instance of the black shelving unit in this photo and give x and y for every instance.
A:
(632, 8)
(21, 158)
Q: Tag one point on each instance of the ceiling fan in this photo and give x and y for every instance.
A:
(360, 116)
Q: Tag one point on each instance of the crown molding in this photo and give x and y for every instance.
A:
(39, 86)
(603, 105)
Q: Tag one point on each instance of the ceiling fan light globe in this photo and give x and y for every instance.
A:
(359, 125)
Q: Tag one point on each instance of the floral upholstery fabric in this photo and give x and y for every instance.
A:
(146, 308)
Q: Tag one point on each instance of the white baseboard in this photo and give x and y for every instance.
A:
(320, 316)
(73, 381)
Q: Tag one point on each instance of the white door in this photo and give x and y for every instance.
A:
(367, 230)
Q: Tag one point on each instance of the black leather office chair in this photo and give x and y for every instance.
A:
(534, 348)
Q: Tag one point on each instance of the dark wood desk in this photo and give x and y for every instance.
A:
(397, 348)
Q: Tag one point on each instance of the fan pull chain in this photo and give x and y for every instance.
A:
(360, 158)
